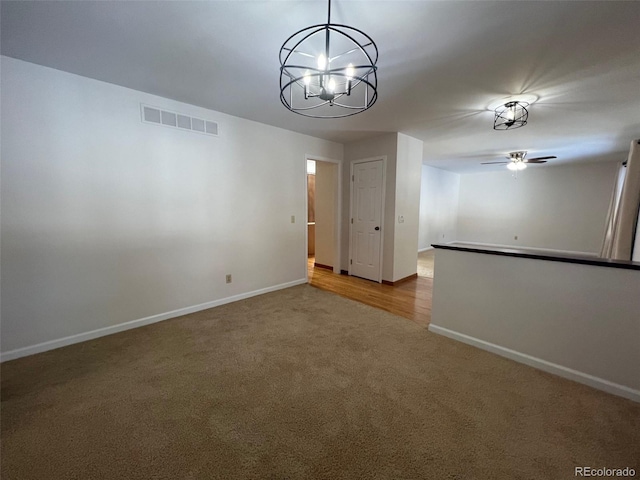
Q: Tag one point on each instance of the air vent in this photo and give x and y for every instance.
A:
(169, 118)
(197, 125)
(212, 128)
(151, 114)
(184, 122)
(177, 120)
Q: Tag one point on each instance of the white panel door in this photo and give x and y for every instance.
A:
(366, 213)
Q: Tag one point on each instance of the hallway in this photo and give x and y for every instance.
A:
(410, 299)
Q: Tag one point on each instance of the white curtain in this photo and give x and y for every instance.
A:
(607, 246)
(627, 215)
(636, 246)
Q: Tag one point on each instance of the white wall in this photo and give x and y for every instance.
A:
(325, 205)
(402, 197)
(407, 206)
(384, 145)
(438, 206)
(559, 208)
(578, 321)
(106, 219)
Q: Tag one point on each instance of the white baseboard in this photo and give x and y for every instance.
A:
(425, 249)
(101, 332)
(580, 377)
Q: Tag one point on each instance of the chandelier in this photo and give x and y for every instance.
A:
(328, 71)
(511, 115)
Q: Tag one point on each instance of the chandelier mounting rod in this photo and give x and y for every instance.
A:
(326, 48)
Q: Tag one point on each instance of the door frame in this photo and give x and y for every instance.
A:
(382, 210)
(337, 214)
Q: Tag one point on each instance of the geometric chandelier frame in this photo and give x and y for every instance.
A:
(511, 115)
(328, 71)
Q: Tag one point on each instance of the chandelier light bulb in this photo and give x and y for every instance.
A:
(307, 78)
(322, 62)
(349, 72)
(332, 85)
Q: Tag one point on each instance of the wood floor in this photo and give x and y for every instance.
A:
(410, 299)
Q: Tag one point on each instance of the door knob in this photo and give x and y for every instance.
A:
(377, 228)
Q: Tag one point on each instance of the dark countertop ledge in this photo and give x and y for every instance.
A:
(538, 255)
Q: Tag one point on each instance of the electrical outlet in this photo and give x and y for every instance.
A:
(401, 219)
(293, 219)
(515, 237)
(228, 278)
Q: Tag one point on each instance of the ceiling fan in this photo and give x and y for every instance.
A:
(517, 161)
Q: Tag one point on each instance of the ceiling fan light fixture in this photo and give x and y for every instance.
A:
(328, 70)
(511, 115)
(516, 160)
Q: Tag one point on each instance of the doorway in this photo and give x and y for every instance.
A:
(426, 260)
(323, 213)
(367, 218)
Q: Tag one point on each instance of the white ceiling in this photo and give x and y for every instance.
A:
(441, 64)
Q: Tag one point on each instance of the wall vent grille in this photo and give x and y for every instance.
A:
(167, 118)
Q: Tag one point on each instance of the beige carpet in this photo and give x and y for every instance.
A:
(425, 263)
(300, 384)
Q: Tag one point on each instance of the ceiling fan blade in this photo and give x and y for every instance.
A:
(494, 163)
(534, 160)
(537, 161)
